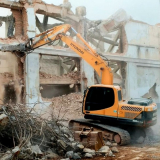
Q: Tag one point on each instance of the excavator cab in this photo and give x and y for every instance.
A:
(105, 103)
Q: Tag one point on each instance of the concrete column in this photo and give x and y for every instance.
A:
(31, 63)
(31, 29)
(32, 79)
(87, 72)
(131, 81)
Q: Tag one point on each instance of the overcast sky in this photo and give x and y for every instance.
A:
(143, 10)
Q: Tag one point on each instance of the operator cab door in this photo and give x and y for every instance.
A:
(101, 101)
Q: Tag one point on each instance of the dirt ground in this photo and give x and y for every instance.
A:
(69, 107)
(135, 152)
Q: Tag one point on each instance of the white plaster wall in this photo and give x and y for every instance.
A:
(140, 79)
(147, 77)
(143, 43)
(142, 34)
(143, 40)
(143, 53)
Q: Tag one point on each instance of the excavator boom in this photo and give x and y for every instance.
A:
(83, 50)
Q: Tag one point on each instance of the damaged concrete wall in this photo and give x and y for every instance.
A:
(24, 24)
(11, 78)
(143, 77)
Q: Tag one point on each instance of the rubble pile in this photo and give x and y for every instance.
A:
(66, 106)
(69, 76)
(25, 135)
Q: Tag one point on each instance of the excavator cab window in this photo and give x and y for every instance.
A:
(99, 98)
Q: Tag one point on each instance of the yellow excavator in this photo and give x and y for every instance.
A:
(103, 105)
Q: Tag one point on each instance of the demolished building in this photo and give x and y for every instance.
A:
(130, 47)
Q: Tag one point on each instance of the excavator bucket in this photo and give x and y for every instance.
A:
(89, 138)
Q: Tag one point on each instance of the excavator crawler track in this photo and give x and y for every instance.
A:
(124, 135)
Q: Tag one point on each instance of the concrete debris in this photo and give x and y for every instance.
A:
(81, 11)
(108, 143)
(52, 156)
(90, 151)
(72, 155)
(110, 154)
(88, 155)
(16, 150)
(113, 22)
(66, 4)
(71, 76)
(3, 119)
(80, 147)
(76, 156)
(69, 154)
(114, 150)
(114, 144)
(6, 156)
(71, 107)
(37, 135)
(104, 149)
(40, 137)
(35, 149)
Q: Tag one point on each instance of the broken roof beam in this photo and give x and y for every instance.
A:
(41, 8)
(100, 38)
(115, 40)
(11, 4)
(54, 11)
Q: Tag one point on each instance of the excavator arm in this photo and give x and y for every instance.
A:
(83, 50)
